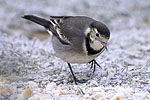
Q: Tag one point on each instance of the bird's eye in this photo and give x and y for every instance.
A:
(97, 34)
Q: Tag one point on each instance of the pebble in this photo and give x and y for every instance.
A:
(90, 91)
(6, 90)
(1, 80)
(95, 96)
(27, 93)
(86, 96)
(147, 95)
(32, 85)
(50, 86)
(115, 98)
(61, 92)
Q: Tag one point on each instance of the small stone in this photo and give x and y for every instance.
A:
(4, 75)
(50, 86)
(2, 90)
(6, 90)
(1, 80)
(97, 89)
(27, 93)
(90, 91)
(9, 89)
(147, 94)
(86, 96)
(115, 98)
(61, 92)
(32, 85)
(75, 87)
(96, 96)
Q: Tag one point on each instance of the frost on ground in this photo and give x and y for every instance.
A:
(30, 70)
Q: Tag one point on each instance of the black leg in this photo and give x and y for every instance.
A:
(74, 78)
(94, 64)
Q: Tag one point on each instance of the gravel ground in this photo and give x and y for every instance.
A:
(29, 69)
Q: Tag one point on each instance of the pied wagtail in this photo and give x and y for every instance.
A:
(75, 39)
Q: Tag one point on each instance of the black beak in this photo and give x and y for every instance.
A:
(105, 45)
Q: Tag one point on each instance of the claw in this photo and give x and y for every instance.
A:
(94, 64)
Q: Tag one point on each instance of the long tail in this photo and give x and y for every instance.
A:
(40, 21)
(49, 25)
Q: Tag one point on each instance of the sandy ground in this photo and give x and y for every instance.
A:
(29, 69)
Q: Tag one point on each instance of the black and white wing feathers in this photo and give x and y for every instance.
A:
(53, 25)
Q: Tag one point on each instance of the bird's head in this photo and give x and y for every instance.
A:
(97, 34)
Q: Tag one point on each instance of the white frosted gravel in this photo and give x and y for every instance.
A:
(30, 70)
(125, 72)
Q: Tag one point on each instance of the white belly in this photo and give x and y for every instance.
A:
(68, 54)
(74, 58)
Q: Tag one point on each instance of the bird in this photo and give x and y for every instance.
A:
(75, 39)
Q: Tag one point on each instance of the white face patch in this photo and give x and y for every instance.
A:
(88, 30)
(96, 45)
(95, 41)
(95, 29)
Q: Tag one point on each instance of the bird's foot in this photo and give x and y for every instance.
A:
(79, 81)
(94, 64)
(76, 81)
